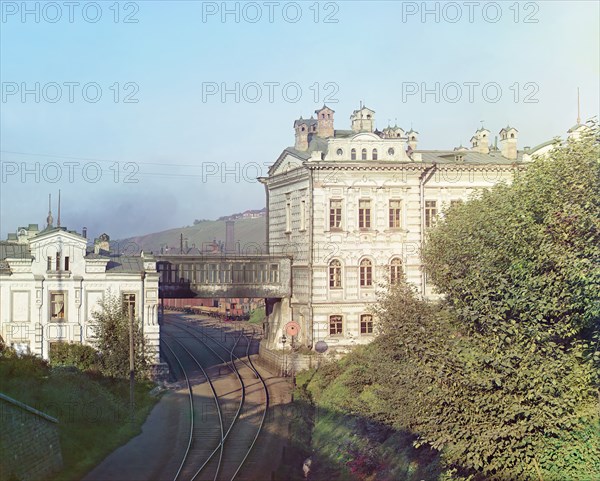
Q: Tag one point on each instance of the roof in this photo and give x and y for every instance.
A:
(127, 264)
(10, 250)
(323, 108)
(302, 121)
(469, 157)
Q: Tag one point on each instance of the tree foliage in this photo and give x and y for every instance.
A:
(528, 252)
(111, 339)
(501, 377)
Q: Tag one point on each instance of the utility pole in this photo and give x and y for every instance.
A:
(131, 364)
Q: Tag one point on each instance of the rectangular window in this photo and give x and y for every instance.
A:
(364, 214)
(288, 217)
(335, 214)
(395, 214)
(49, 264)
(366, 324)
(58, 261)
(58, 306)
(303, 215)
(335, 325)
(128, 303)
(430, 212)
(67, 264)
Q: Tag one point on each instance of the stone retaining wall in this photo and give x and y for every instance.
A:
(286, 362)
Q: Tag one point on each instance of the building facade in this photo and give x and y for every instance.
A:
(352, 208)
(51, 282)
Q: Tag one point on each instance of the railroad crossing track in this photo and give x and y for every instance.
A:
(228, 398)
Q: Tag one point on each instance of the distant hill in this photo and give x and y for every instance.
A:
(249, 233)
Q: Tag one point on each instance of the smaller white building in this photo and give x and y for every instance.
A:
(51, 282)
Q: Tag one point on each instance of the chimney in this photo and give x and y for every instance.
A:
(84, 232)
(325, 122)
(301, 127)
(508, 142)
(229, 236)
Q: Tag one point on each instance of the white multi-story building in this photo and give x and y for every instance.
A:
(50, 285)
(352, 208)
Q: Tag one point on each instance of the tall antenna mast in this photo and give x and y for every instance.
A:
(49, 219)
(58, 220)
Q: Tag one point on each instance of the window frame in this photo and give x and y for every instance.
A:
(336, 325)
(335, 214)
(334, 271)
(365, 268)
(395, 214)
(64, 306)
(366, 326)
(430, 213)
(364, 214)
(126, 302)
(396, 270)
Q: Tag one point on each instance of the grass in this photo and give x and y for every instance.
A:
(93, 410)
(257, 316)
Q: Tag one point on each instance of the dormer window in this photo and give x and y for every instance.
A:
(340, 152)
(512, 136)
(413, 138)
(353, 154)
(364, 154)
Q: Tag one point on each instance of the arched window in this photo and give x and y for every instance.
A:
(512, 136)
(335, 274)
(364, 154)
(374, 154)
(340, 152)
(366, 273)
(366, 324)
(395, 270)
(353, 154)
(303, 129)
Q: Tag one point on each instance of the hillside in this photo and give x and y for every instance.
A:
(248, 233)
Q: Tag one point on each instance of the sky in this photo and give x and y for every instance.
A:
(149, 114)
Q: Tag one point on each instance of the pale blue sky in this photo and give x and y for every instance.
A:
(171, 136)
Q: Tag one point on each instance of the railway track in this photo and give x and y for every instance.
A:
(217, 450)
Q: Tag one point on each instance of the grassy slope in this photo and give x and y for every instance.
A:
(248, 232)
(93, 411)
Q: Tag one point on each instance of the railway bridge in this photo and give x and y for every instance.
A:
(231, 275)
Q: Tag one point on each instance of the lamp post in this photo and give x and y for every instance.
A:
(131, 364)
(283, 367)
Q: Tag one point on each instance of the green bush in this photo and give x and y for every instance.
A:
(81, 356)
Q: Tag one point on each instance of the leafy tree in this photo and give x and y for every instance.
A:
(528, 252)
(111, 339)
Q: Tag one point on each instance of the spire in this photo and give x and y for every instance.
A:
(578, 116)
(49, 219)
(58, 220)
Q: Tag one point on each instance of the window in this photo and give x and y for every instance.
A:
(366, 324)
(288, 217)
(335, 214)
(455, 203)
(58, 261)
(395, 270)
(335, 325)
(364, 214)
(58, 306)
(364, 154)
(303, 215)
(66, 263)
(395, 214)
(430, 212)
(374, 154)
(391, 151)
(353, 154)
(128, 304)
(335, 274)
(340, 152)
(366, 273)
(49, 264)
